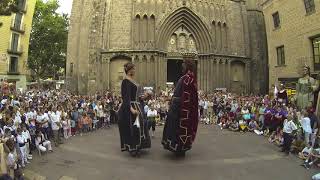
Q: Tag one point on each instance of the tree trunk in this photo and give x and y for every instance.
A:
(38, 82)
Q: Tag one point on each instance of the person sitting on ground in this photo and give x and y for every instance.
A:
(223, 120)
(234, 126)
(312, 158)
(243, 126)
(297, 145)
(254, 127)
(42, 144)
(305, 152)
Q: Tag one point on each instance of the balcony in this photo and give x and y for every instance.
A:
(18, 28)
(15, 51)
(13, 73)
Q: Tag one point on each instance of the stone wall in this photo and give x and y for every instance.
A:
(295, 33)
(223, 32)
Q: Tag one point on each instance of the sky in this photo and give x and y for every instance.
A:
(65, 6)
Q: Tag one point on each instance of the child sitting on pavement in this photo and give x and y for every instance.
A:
(41, 143)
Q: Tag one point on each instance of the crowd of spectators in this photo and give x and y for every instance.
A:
(277, 118)
(37, 121)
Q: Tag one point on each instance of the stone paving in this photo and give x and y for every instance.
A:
(216, 155)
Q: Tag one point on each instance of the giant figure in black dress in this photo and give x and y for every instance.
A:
(132, 127)
(182, 121)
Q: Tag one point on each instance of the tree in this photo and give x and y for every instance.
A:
(7, 7)
(48, 41)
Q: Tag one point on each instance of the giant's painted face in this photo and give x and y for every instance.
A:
(305, 71)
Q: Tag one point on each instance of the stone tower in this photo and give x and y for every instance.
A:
(228, 37)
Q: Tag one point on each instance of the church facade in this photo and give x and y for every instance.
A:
(227, 36)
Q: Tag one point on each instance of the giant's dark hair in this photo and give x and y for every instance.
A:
(190, 65)
(128, 66)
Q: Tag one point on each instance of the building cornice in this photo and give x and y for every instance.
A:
(164, 52)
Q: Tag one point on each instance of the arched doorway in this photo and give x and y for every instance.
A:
(238, 77)
(181, 32)
(181, 41)
(117, 72)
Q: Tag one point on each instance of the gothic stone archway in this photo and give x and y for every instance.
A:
(182, 32)
(116, 72)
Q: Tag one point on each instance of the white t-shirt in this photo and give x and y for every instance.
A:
(152, 113)
(11, 160)
(12, 128)
(26, 135)
(243, 111)
(55, 120)
(306, 124)
(100, 111)
(289, 126)
(45, 117)
(146, 108)
(20, 139)
(17, 119)
(205, 106)
(29, 115)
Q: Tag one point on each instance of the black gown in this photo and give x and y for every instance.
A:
(182, 121)
(132, 137)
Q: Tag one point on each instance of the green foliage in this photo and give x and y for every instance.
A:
(7, 7)
(48, 41)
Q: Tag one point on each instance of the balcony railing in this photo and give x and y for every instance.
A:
(13, 72)
(18, 28)
(18, 51)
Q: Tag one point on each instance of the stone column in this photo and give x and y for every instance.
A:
(161, 71)
(222, 39)
(108, 73)
(212, 75)
(165, 62)
(217, 73)
(229, 74)
(246, 77)
(202, 74)
(156, 60)
(223, 73)
(208, 74)
(140, 74)
(149, 71)
(218, 38)
(199, 73)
